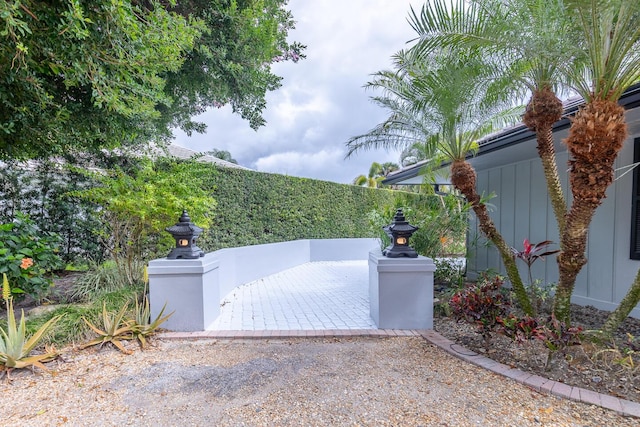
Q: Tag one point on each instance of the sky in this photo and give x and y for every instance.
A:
(322, 102)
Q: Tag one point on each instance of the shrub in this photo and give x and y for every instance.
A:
(102, 278)
(28, 256)
(442, 222)
(558, 336)
(138, 205)
(519, 329)
(449, 272)
(41, 190)
(481, 304)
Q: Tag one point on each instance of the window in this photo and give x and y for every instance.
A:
(635, 204)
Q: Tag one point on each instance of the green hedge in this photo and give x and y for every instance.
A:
(255, 208)
(252, 207)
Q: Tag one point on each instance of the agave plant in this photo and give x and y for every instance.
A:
(15, 348)
(115, 329)
(143, 327)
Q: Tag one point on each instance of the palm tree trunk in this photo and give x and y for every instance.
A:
(595, 138)
(627, 304)
(543, 110)
(463, 177)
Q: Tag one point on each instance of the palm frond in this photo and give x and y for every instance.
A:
(611, 47)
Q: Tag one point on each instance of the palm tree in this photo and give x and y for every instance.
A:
(610, 49)
(591, 45)
(445, 103)
(377, 172)
(529, 38)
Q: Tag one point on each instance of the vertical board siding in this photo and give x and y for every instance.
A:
(481, 243)
(495, 192)
(624, 268)
(522, 209)
(599, 272)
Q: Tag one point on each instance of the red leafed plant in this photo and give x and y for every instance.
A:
(534, 251)
(481, 304)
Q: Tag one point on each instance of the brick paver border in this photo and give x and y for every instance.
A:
(535, 382)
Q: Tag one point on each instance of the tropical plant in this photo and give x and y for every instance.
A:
(558, 336)
(142, 326)
(530, 254)
(609, 51)
(590, 46)
(28, 256)
(440, 219)
(531, 39)
(482, 304)
(377, 172)
(449, 102)
(139, 204)
(115, 329)
(15, 347)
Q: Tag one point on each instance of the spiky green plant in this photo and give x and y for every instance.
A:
(143, 327)
(115, 329)
(15, 347)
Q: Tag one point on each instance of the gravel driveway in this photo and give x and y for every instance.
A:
(402, 381)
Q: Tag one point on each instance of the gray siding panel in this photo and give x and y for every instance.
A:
(523, 210)
(482, 247)
(600, 252)
(495, 190)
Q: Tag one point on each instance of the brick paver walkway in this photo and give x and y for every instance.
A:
(324, 295)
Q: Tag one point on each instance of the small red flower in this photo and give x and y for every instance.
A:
(26, 263)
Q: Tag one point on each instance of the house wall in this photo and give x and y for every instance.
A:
(521, 209)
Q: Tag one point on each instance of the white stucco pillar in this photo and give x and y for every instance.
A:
(401, 291)
(189, 287)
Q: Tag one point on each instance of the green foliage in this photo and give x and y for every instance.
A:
(558, 336)
(121, 213)
(139, 204)
(519, 329)
(142, 326)
(232, 61)
(449, 272)
(71, 328)
(41, 190)
(124, 325)
(114, 329)
(442, 222)
(28, 256)
(481, 304)
(256, 208)
(65, 86)
(101, 278)
(16, 348)
(65, 83)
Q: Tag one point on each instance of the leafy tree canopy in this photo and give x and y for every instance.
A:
(83, 75)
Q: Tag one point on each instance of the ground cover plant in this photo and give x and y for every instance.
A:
(483, 320)
(15, 346)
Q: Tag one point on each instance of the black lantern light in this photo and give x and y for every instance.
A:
(185, 232)
(399, 231)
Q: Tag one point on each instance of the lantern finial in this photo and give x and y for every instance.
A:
(185, 232)
(399, 231)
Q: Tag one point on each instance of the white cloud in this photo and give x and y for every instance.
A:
(322, 102)
(298, 164)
